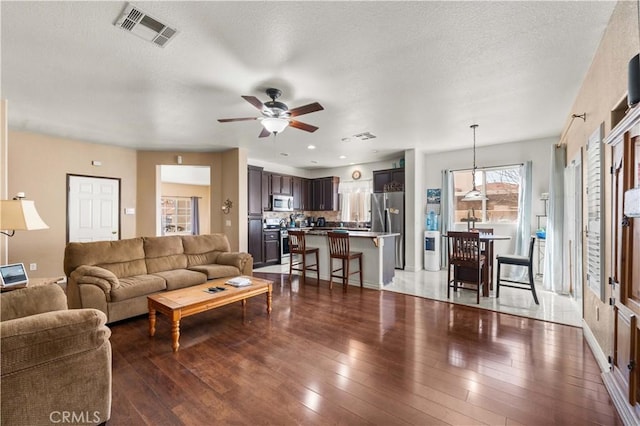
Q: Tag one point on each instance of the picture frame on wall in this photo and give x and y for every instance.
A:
(433, 196)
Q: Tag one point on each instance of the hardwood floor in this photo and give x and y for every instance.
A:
(361, 357)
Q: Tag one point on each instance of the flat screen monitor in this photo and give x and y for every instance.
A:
(13, 274)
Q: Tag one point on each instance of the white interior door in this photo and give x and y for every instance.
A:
(93, 206)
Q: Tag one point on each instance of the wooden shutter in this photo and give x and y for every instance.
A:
(595, 219)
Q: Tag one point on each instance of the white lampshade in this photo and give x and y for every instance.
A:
(20, 215)
(275, 125)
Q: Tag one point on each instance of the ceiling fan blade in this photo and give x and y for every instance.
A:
(302, 126)
(227, 120)
(254, 101)
(305, 109)
(264, 133)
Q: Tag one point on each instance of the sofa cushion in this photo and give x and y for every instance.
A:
(164, 253)
(32, 300)
(217, 271)
(42, 338)
(204, 249)
(180, 278)
(139, 285)
(125, 258)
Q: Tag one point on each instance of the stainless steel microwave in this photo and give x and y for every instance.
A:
(282, 203)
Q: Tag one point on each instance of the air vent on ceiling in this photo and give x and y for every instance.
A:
(140, 23)
(365, 136)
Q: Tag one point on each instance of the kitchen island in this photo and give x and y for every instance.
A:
(378, 256)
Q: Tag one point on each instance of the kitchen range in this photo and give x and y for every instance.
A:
(276, 223)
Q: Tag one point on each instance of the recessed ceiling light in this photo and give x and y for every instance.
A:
(311, 147)
(346, 139)
(351, 163)
(314, 162)
(342, 157)
(284, 154)
(375, 151)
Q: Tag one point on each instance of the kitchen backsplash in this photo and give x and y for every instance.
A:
(329, 216)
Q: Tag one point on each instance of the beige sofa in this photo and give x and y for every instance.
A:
(117, 276)
(56, 363)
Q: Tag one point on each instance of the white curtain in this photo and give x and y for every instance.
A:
(523, 227)
(553, 257)
(354, 196)
(447, 212)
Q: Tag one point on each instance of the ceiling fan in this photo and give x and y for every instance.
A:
(276, 116)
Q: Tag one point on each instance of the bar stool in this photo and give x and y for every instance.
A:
(297, 245)
(339, 249)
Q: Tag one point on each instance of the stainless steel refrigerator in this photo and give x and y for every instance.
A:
(387, 215)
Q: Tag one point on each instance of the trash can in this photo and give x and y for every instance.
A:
(432, 250)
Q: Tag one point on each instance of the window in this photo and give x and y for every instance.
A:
(500, 185)
(176, 215)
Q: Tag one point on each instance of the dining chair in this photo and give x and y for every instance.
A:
(339, 249)
(298, 246)
(516, 260)
(467, 261)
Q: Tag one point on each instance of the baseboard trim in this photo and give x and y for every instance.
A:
(601, 358)
(611, 380)
(620, 399)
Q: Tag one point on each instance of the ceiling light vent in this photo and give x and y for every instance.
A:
(145, 26)
(365, 136)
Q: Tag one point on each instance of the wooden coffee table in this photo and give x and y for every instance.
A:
(177, 304)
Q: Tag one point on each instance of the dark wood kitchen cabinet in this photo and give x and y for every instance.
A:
(301, 190)
(387, 177)
(281, 184)
(271, 247)
(325, 193)
(255, 244)
(266, 191)
(254, 191)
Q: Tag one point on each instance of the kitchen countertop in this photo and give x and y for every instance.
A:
(361, 234)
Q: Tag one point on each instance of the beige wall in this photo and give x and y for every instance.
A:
(38, 166)
(3, 173)
(204, 192)
(225, 174)
(603, 87)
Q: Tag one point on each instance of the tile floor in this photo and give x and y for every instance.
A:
(432, 285)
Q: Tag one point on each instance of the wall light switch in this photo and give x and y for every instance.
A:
(227, 222)
(33, 266)
(130, 210)
(96, 163)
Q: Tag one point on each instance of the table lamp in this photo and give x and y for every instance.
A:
(19, 215)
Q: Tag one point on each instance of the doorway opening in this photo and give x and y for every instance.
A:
(184, 199)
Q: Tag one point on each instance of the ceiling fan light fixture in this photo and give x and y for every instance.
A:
(275, 125)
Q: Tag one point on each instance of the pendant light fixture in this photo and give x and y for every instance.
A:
(474, 194)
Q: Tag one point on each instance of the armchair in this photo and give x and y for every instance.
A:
(56, 363)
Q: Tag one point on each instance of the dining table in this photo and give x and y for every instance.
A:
(486, 245)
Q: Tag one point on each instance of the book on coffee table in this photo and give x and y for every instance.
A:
(239, 282)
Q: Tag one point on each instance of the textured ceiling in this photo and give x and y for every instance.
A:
(415, 74)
